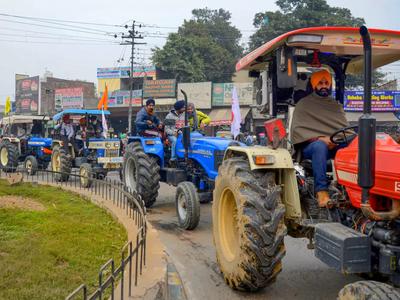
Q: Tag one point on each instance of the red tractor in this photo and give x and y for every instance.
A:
(265, 193)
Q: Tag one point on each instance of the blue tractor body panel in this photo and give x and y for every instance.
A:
(155, 148)
(39, 142)
(101, 152)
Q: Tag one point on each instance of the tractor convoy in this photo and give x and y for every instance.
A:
(262, 194)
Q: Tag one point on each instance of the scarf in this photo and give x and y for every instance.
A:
(317, 116)
(194, 116)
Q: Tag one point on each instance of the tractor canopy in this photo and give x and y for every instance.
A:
(19, 119)
(80, 112)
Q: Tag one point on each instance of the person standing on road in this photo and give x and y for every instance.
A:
(249, 140)
(145, 119)
(67, 134)
(263, 140)
(178, 114)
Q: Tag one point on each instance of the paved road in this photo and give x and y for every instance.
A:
(193, 254)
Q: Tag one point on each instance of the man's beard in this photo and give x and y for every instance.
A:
(323, 92)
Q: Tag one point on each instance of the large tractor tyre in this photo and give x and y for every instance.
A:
(60, 162)
(86, 173)
(9, 157)
(141, 172)
(248, 225)
(368, 290)
(30, 165)
(187, 205)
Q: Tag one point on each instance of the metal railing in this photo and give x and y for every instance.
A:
(124, 198)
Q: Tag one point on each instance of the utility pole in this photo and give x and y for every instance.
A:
(132, 35)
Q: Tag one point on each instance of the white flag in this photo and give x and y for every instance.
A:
(104, 123)
(236, 117)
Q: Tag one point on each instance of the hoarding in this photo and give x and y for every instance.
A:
(159, 88)
(121, 98)
(198, 93)
(381, 101)
(68, 98)
(222, 93)
(124, 72)
(27, 93)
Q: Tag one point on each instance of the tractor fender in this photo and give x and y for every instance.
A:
(61, 144)
(152, 146)
(12, 140)
(281, 161)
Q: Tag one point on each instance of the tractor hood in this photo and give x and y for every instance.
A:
(44, 142)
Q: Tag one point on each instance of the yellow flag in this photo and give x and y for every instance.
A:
(8, 106)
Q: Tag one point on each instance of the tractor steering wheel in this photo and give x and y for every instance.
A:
(345, 140)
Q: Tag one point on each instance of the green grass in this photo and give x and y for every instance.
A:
(47, 254)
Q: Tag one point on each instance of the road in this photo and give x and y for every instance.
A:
(193, 254)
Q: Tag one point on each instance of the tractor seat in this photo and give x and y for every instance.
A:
(306, 163)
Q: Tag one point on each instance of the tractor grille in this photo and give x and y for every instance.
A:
(112, 153)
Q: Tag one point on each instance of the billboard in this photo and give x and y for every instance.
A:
(27, 93)
(68, 98)
(222, 93)
(121, 98)
(159, 88)
(381, 101)
(198, 93)
(124, 72)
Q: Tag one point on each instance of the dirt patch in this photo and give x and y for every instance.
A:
(22, 203)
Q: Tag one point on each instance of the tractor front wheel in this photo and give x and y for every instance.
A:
(248, 225)
(141, 172)
(60, 163)
(187, 205)
(86, 174)
(9, 156)
(368, 290)
(31, 165)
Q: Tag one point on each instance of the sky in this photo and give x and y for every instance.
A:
(30, 49)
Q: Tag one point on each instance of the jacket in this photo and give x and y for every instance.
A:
(201, 118)
(169, 129)
(141, 120)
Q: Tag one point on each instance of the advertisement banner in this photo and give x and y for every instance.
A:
(68, 98)
(159, 88)
(222, 93)
(124, 72)
(27, 95)
(121, 98)
(381, 101)
(198, 93)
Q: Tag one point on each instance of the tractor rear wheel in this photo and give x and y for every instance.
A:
(368, 290)
(31, 165)
(141, 172)
(9, 156)
(248, 225)
(60, 162)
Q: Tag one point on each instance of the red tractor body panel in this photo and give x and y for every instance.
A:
(387, 172)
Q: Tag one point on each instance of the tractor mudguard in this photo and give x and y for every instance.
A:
(280, 160)
(150, 146)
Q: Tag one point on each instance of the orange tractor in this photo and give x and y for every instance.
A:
(263, 194)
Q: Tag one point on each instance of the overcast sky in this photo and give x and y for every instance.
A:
(84, 52)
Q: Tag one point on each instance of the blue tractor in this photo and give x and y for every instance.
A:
(98, 155)
(146, 165)
(31, 149)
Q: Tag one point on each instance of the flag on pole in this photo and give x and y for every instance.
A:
(236, 117)
(8, 106)
(103, 100)
(104, 123)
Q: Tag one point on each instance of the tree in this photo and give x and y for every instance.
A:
(296, 14)
(356, 82)
(204, 48)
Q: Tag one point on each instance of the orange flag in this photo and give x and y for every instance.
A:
(103, 100)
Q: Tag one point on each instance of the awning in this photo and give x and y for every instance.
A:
(380, 116)
(223, 116)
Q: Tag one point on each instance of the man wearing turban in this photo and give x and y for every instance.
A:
(315, 118)
(145, 119)
(178, 115)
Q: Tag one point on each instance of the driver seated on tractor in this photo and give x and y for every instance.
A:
(37, 129)
(94, 128)
(23, 136)
(315, 118)
(145, 119)
(67, 134)
(178, 115)
(197, 119)
(80, 132)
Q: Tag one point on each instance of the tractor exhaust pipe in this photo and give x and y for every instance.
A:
(366, 130)
(186, 130)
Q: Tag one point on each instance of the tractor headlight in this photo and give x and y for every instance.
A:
(108, 145)
(116, 145)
